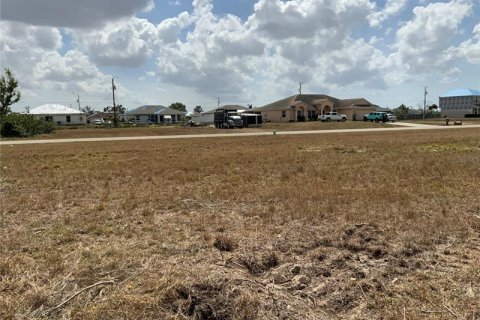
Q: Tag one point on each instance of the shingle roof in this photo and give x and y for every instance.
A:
(360, 102)
(229, 107)
(155, 109)
(461, 93)
(310, 98)
(54, 109)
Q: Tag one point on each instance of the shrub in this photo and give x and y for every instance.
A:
(24, 125)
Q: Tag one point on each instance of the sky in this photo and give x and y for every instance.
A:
(239, 51)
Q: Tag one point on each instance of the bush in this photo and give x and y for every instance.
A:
(24, 125)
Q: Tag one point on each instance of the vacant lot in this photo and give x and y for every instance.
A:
(441, 121)
(154, 130)
(360, 226)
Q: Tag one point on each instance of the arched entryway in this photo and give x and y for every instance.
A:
(301, 111)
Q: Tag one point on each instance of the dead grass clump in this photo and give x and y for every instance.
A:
(258, 264)
(253, 265)
(206, 301)
(270, 260)
(246, 306)
(224, 243)
(36, 298)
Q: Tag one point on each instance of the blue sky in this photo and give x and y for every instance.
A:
(244, 51)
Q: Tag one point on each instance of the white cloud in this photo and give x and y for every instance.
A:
(71, 13)
(214, 57)
(470, 49)
(422, 43)
(303, 19)
(127, 44)
(169, 29)
(391, 8)
(38, 65)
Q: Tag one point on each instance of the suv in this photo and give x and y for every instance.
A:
(391, 117)
(329, 116)
(376, 116)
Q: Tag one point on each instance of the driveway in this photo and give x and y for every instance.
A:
(397, 126)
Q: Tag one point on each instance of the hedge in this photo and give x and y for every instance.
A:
(24, 125)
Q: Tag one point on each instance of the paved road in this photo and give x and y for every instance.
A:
(398, 126)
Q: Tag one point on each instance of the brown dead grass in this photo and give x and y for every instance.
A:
(156, 130)
(364, 226)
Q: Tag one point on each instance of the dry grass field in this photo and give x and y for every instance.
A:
(154, 130)
(337, 226)
(441, 121)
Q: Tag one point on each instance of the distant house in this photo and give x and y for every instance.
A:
(153, 114)
(207, 117)
(100, 116)
(59, 114)
(307, 107)
(460, 102)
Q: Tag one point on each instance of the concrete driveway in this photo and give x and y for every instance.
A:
(396, 126)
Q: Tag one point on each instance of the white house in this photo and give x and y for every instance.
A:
(59, 114)
(154, 114)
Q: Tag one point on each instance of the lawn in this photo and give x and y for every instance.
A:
(337, 226)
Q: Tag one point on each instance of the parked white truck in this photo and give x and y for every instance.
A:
(332, 116)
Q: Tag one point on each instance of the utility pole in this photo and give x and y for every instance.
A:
(300, 87)
(77, 99)
(218, 102)
(424, 101)
(115, 124)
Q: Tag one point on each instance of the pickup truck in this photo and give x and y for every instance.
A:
(329, 116)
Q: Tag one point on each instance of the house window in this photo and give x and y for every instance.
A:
(68, 119)
(284, 114)
(49, 118)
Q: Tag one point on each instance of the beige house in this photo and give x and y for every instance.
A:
(307, 107)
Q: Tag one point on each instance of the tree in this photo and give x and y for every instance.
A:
(198, 109)
(401, 110)
(118, 108)
(9, 93)
(178, 106)
(88, 110)
(433, 107)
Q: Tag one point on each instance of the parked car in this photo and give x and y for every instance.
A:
(97, 121)
(335, 116)
(376, 116)
(391, 117)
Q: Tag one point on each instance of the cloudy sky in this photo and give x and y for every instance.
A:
(242, 51)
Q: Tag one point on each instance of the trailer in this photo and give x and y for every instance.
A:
(251, 119)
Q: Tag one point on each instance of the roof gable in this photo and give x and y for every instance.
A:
(147, 109)
(155, 109)
(54, 109)
(312, 99)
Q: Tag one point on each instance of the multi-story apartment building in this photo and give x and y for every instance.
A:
(457, 103)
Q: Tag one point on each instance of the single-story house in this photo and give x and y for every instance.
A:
(153, 114)
(102, 116)
(207, 117)
(307, 107)
(59, 114)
